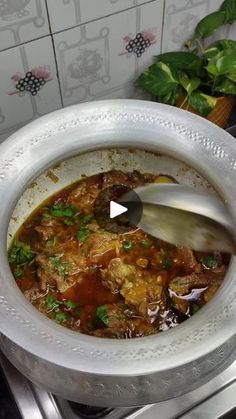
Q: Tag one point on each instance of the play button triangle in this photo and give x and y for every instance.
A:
(116, 209)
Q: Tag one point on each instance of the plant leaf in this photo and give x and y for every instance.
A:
(232, 76)
(211, 52)
(229, 7)
(212, 69)
(170, 98)
(226, 87)
(227, 63)
(202, 103)
(209, 24)
(189, 84)
(223, 63)
(216, 47)
(159, 79)
(181, 60)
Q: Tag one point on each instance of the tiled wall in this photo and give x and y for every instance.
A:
(54, 53)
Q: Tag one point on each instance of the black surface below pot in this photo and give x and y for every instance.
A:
(232, 131)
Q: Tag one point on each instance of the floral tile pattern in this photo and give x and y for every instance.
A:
(182, 16)
(22, 21)
(32, 82)
(66, 14)
(29, 85)
(103, 57)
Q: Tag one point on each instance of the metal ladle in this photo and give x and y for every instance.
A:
(183, 216)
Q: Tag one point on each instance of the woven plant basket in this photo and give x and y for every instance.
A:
(219, 115)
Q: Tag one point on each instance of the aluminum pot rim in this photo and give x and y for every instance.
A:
(99, 125)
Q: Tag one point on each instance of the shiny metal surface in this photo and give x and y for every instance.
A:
(184, 216)
(21, 390)
(105, 372)
(211, 401)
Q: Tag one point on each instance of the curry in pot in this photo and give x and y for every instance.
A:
(113, 285)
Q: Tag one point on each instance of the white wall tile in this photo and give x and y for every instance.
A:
(129, 91)
(22, 21)
(92, 59)
(65, 14)
(231, 31)
(19, 107)
(182, 16)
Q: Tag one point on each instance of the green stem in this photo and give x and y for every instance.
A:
(213, 86)
(184, 101)
(200, 45)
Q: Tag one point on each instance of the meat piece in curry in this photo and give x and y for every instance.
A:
(113, 285)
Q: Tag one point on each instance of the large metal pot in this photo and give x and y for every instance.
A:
(102, 371)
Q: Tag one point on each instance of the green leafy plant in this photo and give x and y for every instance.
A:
(197, 76)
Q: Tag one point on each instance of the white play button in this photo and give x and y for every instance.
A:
(116, 209)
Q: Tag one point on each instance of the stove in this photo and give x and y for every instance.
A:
(21, 399)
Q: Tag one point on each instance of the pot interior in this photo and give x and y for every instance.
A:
(71, 170)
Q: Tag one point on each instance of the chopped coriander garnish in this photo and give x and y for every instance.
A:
(18, 271)
(102, 314)
(82, 234)
(61, 317)
(77, 312)
(21, 253)
(168, 263)
(120, 317)
(127, 245)
(194, 308)
(209, 261)
(68, 222)
(60, 266)
(145, 243)
(56, 261)
(52, 303)
(93, 268)
(70, 304)
(173, 304)
(61, 210)
(87, 219)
